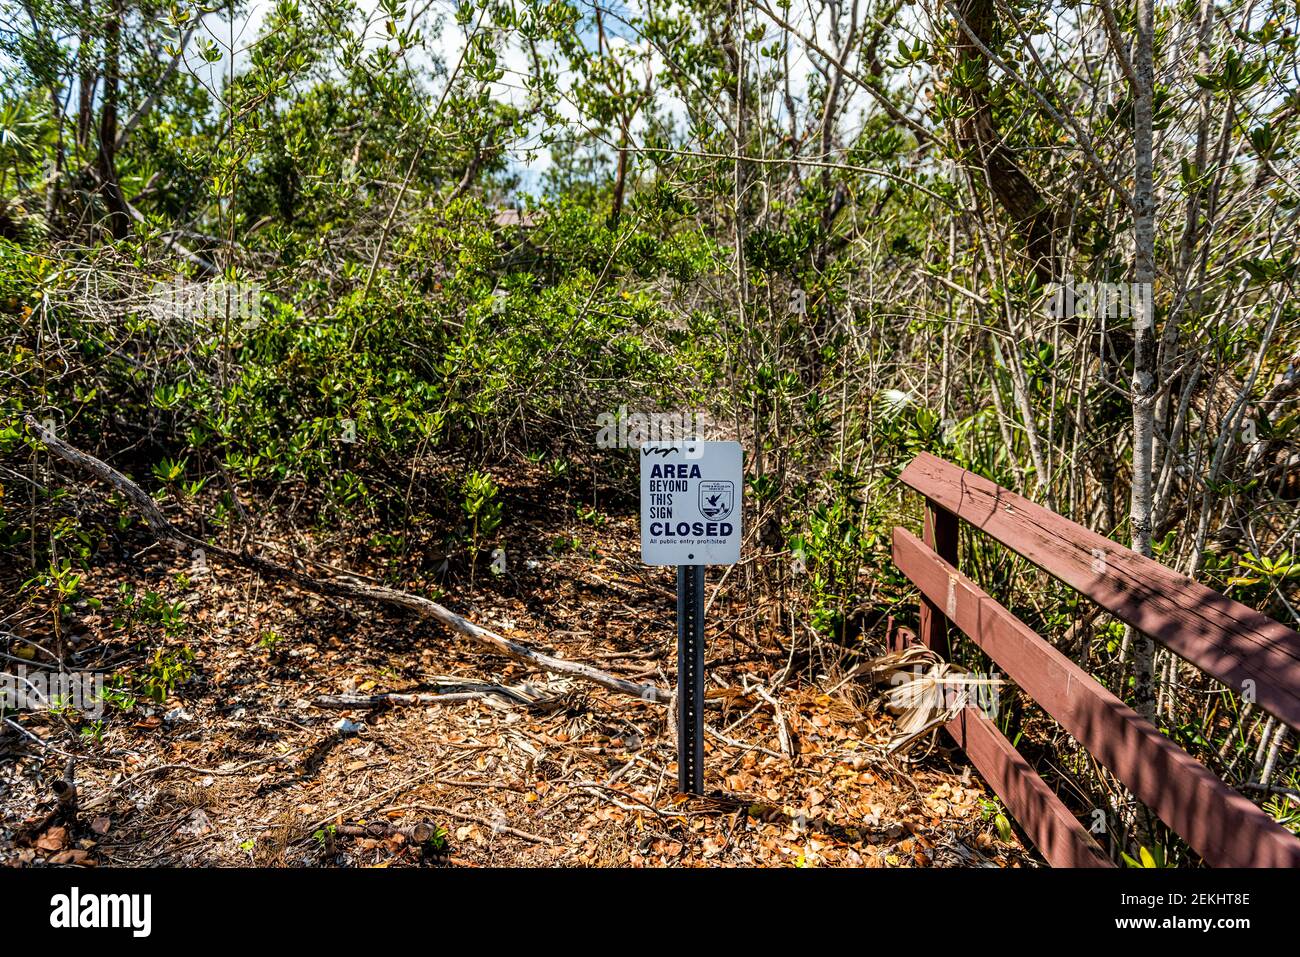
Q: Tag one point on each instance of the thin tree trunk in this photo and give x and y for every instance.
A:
(119, 218)
(1144, 358)
(1270, 760)
(87, 78)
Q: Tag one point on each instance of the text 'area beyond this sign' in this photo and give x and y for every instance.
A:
(690, 503)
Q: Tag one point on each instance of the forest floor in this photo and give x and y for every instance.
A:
(241, 764)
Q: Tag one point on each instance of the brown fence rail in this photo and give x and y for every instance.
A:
(1226, 639)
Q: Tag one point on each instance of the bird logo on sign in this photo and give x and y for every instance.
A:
(717, 499)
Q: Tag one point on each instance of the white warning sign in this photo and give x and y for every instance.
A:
(690, 502)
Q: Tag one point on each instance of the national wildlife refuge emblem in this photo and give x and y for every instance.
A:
(717, 499)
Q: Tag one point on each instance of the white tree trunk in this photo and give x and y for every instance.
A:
(1144, 380)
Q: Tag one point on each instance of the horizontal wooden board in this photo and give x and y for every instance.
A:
(1057, 833)
(1221, 825)
(1230, 641)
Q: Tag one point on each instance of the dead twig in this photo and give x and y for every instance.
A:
(496, 826)
(454, 695)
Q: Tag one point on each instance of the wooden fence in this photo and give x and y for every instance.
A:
(1246, 650)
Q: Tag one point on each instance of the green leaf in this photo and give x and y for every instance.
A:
(1004, 828)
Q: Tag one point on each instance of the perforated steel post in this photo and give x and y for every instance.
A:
(690, 679)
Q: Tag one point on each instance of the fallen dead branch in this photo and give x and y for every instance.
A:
(342, 586)
(457, 692)
(640, 807)
(497, 826)
(415, 833)
(65, 791)
(338, 816)
(231, 771)
(420, 698)
(789, 744)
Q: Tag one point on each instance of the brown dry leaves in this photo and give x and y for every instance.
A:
(589, 779)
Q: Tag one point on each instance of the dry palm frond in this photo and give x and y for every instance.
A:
(922, 703)
(932, 698)
(925, 693)
(883, 667)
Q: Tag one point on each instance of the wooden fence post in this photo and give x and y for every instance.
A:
(940, 533)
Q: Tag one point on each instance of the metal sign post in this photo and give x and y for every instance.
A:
(690, 679)
(690, 517)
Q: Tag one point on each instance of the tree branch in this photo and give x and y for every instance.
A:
(343, 586)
